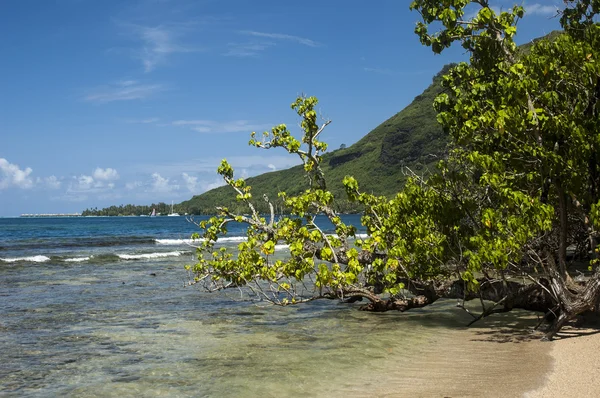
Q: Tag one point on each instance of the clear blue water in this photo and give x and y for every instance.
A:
(103, 239)
(97, 307)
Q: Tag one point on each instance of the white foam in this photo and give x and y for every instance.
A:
(148, 255)
(33, 259)
(281, 247)
(76, 259)
(173, 242)
(192, 242)
(233, 239)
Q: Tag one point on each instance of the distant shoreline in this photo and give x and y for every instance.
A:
(27, 215)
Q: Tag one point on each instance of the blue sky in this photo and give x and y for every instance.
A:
(114, 102)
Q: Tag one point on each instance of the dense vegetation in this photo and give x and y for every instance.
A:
(132, 210)
(520, 185)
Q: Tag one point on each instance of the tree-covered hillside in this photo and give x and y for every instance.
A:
(412, 138)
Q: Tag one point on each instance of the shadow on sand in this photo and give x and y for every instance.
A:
(520, 326)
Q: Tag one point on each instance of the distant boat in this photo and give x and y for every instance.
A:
(172, 213)
(153, 214)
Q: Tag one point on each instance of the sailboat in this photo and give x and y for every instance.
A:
(172, 213)
(153, 214)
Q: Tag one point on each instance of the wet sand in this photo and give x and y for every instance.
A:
(501, 357)
(576, 363)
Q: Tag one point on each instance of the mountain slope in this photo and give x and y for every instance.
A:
(410, 138)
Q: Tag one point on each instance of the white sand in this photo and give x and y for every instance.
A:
(576, 363)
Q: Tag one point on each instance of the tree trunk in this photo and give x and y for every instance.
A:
(563, 231)
(509, 294)
(573, 302)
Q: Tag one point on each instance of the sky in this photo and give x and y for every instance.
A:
(109, 102)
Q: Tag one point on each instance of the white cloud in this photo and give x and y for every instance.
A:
(247, 49)
(84, 183)
(539, 9)
(161, 184)
(99, 184)
(504, 5)
(133, 185)
(107, 174)
(190, 182)
(158, 43)
(12, 175)
(52, 182)
(124, 91)
(211, 126)
(195, 176)
(212, 185)
(281, 36)
(256, 164)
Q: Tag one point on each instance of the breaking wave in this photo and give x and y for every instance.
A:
(31, 259)
(146, 256)
(77, 259)
(192, 242)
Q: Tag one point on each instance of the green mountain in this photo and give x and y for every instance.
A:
(411, 138)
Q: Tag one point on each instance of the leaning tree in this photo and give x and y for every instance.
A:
(519, 190)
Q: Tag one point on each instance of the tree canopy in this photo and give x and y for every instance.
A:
(518, 191)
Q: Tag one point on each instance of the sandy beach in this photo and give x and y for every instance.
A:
(504, 357)
(575, 365)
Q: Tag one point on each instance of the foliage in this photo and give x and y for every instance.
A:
(131, 210)
(411, 138)
(521, 183)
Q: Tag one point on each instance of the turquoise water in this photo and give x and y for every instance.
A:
(97, 307)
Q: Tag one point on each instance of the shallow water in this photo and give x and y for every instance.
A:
(129, 328)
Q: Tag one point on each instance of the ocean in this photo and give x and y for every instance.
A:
(97, 306)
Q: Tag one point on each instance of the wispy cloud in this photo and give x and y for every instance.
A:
(281, 36)
(13, 175)
(133, 185)
(216, 183)
(211, 126)
(530, 9)
(380, 71)
(540, 9)
(158, 42)
(251, 49)
(190, 182)
(52, 182)
(124, 91)
(256, 164)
